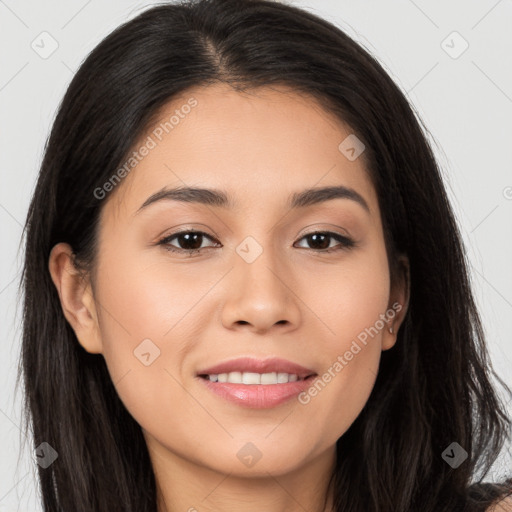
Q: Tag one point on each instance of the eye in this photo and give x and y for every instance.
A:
(191, 242)
(320, 239)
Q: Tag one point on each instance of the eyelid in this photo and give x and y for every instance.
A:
(325, 228)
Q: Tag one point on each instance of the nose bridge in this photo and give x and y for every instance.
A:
(258, 265)
(259, 292)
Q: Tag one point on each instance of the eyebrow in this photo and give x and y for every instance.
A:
(219, 198)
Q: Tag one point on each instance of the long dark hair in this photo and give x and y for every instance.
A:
(433, 388)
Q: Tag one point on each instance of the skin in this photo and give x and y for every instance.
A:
(503, 506)
(293, 301)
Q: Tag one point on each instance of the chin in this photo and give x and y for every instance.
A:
(256, 458)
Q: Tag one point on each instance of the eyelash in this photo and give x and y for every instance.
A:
(345, 242)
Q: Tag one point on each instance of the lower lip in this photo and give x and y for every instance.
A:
(258, 396)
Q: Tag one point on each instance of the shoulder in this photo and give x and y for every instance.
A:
(504, 505)
(497, 493)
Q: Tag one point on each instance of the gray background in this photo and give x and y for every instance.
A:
(464, 98)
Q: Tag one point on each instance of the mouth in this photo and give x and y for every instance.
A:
(250, 371)
(257, 384)
(253, 378)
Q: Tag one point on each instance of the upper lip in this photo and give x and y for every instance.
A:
(248, 364)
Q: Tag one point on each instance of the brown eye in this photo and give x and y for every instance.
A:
(191, 242)
(321, 241)
(188, 241)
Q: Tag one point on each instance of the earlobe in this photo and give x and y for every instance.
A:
(398, 303)
(76, 298)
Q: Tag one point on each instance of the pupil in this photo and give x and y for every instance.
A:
(325, 238)
(187, 237)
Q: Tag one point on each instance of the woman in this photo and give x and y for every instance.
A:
(244, 285)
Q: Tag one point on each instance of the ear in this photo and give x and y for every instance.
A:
(76, 298)
(398, 302)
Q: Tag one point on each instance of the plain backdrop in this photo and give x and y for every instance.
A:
(452, 59)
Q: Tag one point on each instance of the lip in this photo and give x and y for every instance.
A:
(248, 364)
(258, 396)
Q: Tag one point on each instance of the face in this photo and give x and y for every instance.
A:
(264, 278)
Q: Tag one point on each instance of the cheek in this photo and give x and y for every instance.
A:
(349, 297)
(151, 318)
(352, 302)
(147, 299)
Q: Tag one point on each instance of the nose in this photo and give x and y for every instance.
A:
(261, 295)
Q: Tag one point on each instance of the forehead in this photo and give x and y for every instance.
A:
(259, 146)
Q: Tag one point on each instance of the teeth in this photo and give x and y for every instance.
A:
(245, 378)
(254, 378)
(269, 378)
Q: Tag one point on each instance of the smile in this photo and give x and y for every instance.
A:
(251, 378)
